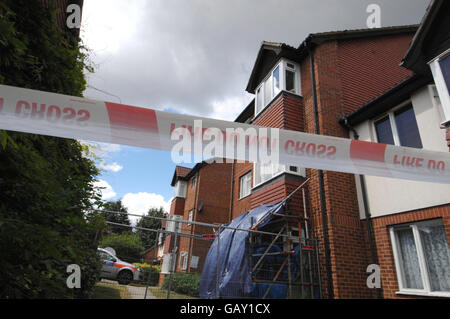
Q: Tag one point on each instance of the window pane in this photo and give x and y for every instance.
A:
(259, 100)
(409, 259)
(437, 255)
(245, 185)
(264, 172)
(384, 131)
(445, 68)
(267, 91)
(290, 81)
(407, 129)
(276, 81)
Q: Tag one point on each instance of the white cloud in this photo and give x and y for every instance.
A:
(140, 203)
(106, 189)
(114, 167)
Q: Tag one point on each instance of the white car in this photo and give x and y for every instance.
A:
(115, 269)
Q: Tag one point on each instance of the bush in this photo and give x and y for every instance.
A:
(186, 284)
(128, 247)
(156, 269)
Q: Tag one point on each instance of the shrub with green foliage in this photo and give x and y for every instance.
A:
(46, 184)
(154, 278)
(128, 246)
(184, 283)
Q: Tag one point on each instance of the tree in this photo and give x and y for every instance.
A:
(148, 237)
(109, 212)
(128, 246)
(46, 184)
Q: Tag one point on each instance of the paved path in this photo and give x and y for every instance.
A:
(139, 292)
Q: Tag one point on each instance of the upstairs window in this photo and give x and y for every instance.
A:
(284, 76)
(180, 189)
(245, 185)
(399, 128)
(290, 78)
(266, 172)
(440, 67)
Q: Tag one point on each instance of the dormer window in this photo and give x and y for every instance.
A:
(285, 76)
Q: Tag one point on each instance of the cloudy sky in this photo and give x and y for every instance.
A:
(195, 57)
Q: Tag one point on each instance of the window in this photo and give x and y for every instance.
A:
(284, 76)
(399, 128)
(290, 77)
(194, 181)
(422, 258)
(183, 260)
(440, 67)
(384, 131)
(266, 172)
(173, 224)
(191, 216)
(276, 81)
(267, 91)
(245, 185)
(259, 100)
(180, 189)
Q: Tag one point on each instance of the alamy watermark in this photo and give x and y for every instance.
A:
(74, 279)
(73, 20)
(196, 144)
(374, 279)
(374, 18)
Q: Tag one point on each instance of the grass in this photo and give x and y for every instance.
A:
(110, 291)
(162, 294)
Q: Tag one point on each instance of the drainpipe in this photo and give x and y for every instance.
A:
(232, 191)
(321, 183)
(362, 180)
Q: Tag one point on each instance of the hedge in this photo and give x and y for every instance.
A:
(154, 279)
(184, 283)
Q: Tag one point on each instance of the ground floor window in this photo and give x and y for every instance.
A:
(422, 257)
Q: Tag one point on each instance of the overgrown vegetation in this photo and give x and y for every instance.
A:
(184, 283)
(148, 237)
(46, 184)
(128, 246)
(154, 277)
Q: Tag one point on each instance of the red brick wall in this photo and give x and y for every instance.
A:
(213, 190)
(389, 282)
(348, 248)
(369, 67)
(177, 206)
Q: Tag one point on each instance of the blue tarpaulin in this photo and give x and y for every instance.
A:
(233, 257)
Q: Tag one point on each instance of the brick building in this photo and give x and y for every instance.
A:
(201, 194)
(350, 84)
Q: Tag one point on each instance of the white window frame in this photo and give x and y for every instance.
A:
(441, 86)
(180, 189)
(242, 183)
(282, 64)
(300, 172)
(391, 115)
(191, 216)
(194, 181)
(173, 224)
(426, 291)
(183, 262)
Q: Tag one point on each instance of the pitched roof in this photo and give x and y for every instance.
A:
(270, 52)
(415, 58)
(180, 172)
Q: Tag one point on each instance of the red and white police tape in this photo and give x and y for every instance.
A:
(38, 112)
